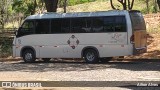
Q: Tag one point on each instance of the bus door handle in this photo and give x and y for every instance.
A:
(56, 46)
(41, 46)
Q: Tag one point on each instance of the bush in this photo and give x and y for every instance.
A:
(153, 9)
(144, 11)
(154, 30)
(5, 47)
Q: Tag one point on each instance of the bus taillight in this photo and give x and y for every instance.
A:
(132, 39)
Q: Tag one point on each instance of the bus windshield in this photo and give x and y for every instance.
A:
(27, 28)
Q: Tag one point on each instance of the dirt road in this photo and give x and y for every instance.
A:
(80, 71)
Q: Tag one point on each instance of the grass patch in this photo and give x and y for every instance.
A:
(154, 30)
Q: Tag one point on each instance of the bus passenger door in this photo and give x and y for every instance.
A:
(48, 44)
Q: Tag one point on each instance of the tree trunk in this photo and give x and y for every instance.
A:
(147, 4)
(130, 4)
(155, 6)
(158, 2)
(51, 5)
(65, 6)
(112, 4)
(124, 4)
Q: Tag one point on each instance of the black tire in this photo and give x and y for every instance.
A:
(29, 56)
(91, 56)
(105, 60)
(46, 59)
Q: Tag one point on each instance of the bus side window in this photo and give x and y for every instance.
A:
(120, 24)
(78, 25)
(97, 24)
(87, 25)
(109, 24)
(56, 26)
(42, 26)
(65, 25)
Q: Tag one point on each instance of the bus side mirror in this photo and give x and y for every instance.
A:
(15, 32)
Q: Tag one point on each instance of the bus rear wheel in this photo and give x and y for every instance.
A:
(105, 60)
(91, 56)
(29, 56)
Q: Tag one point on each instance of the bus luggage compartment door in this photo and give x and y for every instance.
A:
(140, 42)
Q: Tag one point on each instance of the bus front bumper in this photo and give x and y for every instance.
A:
(16, 51)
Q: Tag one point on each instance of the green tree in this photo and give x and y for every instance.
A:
(64, 6)
(40, 6)
(147, 4)
(158, 2)
(147, 8)
(27, 7)
(24, 8)
(151, 6)
(5, 11)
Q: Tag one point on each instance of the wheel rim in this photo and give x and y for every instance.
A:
(28, 56)
(90, 56)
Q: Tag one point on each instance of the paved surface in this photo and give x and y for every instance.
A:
(80, 71)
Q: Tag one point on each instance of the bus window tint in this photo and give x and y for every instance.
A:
(109, 24)
(65, 25)
(138, 22)
(120, 24)
(77, 25)
(56, 26)
(97, 24)
(87, 25)
(42, 26)
(27, 28)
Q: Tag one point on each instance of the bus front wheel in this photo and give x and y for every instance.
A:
(91, 56)
(29, 56)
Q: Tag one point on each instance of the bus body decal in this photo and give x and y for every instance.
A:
(73, 42)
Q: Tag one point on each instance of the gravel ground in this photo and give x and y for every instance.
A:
(80, 71)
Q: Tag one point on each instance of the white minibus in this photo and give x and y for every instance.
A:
(94, 36)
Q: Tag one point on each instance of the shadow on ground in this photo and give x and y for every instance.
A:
(154, 54)
(150, 39)
(70, 65)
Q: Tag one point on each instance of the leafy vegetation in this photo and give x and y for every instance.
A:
(151, 6)
(12, 11)
(5, 47)
(5, 12)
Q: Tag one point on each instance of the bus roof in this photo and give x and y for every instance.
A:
(77, 14)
